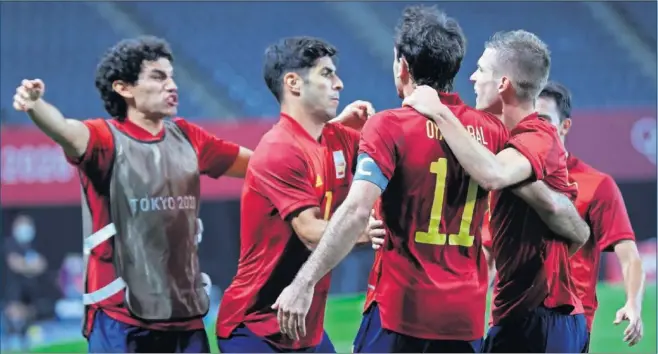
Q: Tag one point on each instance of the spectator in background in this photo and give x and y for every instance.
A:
(71, 284)
(24, 266)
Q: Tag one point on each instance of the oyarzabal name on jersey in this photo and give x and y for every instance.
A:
(185, 202)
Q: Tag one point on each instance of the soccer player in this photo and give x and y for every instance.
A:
(536, 307)
(141, 188)
(601, 204)
(431, 293)
(299, 173)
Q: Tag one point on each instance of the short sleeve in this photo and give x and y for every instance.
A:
(97, 159)
(215, 155)
(608, 216)
(382, 140)
(281, 176)
(539, 143)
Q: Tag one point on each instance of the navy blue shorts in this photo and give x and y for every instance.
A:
(586, 349)
(111, 336)
(372, 338)
(542, 331)
(242, 340)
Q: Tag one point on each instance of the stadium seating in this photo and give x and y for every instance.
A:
(584, 56)
(226, 41)
(236, 35)
(61, 43)
(643, 15)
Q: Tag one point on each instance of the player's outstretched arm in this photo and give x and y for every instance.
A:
(634, 276)
(71, 134)
(612, 229)
(239, 167)
(557, 211)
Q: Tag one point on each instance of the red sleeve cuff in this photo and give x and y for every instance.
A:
(229, 155)
(609, 244)
(292, 208)
(77, 161)
(537, 172)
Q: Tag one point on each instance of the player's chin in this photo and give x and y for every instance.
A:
(331, 113)
(170, 111)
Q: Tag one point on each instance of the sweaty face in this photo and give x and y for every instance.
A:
(155, 92)
(321, 90)
(486, 84)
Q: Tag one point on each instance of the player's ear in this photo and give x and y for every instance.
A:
(403, 69)
(123, 89)
(293, 82)
(504, 84)
(565, 126)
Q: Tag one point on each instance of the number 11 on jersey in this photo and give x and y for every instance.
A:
(433, 236)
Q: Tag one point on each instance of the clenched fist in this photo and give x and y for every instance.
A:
(29, 92)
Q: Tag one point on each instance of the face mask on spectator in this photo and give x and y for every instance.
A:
(24, 233)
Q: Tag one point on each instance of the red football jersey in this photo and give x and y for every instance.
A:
(375, 271)
(433, 279)
(373, 279)
(289, 171)
(533, 266)
(215, 158)
(487, 241)
(600, 203)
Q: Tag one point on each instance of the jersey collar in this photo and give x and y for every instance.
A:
(296, 128)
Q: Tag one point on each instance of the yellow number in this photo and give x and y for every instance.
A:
(328, 196)
(433, 236)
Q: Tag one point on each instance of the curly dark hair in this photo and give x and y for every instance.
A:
(561, 95)
(433, 45)
(124, 62)
(292, 54)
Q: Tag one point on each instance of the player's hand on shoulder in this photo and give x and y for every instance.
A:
(426, 101)
(635, 329)
(355, 114)
(28, 93)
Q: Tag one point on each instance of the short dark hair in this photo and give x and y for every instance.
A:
(292, 54)
(124, 62)
(433, 45)
(561, 95)
(525, 58)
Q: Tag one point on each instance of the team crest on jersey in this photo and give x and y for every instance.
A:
(339, 162)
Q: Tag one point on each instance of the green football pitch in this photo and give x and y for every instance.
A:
(343, 319)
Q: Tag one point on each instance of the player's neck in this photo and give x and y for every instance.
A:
(152, 125)
(514, 113)
(312, 126)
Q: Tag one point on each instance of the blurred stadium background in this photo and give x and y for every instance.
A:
(604, 51)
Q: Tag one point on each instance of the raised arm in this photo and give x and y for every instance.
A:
(72, 135)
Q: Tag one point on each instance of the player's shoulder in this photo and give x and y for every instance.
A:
(393, 115)
(469, 115)
(98, 123)
(338, 130)
(584, 173)
(185, 125)
(276, 145)
(533, 123)
(278, 136)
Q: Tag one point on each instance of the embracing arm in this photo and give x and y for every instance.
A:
(342, 232)
(556, 210)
